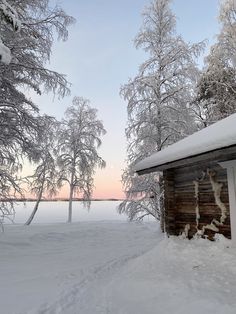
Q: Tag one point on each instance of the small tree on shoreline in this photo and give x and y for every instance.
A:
(78, 140)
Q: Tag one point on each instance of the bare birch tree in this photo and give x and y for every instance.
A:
(79, 139)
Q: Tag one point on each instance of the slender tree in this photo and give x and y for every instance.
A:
(45, 177)
(158, 104)
(79, 139)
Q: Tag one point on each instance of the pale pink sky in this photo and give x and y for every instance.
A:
(107, 185)
(99, 57)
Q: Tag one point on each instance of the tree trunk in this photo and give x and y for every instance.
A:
(70, 203)
(31, 217)
(71, 191)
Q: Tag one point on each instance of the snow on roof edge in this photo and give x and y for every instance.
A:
(218, 135)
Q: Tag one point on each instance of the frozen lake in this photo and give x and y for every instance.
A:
(56, 212)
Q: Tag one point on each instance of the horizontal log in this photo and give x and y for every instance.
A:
(199, 172)
(202, 198)
(198, 167)
(190, 182)
(182, 224)
(206, 219)
(205, 201)
(190, 211)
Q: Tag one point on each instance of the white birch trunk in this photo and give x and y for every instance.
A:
(71, 197)
(70, 203)
(31, 217)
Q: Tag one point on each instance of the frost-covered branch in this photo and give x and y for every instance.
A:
(27, 32)
(216, 97)
(8, 16)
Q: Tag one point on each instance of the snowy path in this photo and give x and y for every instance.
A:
(90, 295)
(113, 268)
(176, 276)
(48, 269)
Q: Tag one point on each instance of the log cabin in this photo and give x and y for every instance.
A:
(199, 175)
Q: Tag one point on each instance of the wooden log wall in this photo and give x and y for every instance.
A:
(190, 201)
(169, 202)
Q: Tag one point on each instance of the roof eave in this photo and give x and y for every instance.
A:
(220, 154)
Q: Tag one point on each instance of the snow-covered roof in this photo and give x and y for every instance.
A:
(219, 135)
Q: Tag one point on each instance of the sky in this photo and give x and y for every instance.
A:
(99, 57)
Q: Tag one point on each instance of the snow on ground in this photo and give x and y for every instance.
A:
(113, 267)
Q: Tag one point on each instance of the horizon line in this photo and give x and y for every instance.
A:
(57, 199)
